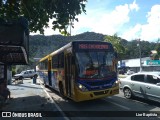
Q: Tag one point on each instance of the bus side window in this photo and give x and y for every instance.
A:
(61, 60)
(55, 61)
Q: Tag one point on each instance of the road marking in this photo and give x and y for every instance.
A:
(124, 107)
(59, 109)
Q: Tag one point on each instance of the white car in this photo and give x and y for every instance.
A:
(25, 74)
(143, 84)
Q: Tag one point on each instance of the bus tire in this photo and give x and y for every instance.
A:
(45, 85)
(61, 90)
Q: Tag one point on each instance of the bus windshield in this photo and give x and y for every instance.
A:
(96, 64)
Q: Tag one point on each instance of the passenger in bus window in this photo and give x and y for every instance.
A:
(90, 70)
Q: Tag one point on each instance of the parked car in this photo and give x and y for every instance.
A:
(129, 72)
(25, 74)
(143, 84)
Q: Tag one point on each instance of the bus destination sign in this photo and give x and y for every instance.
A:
(93, 46)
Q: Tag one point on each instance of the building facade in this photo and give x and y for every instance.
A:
(134, 64)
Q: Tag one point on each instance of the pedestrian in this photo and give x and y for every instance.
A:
(34, 79)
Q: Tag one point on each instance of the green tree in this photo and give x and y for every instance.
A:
(39, 12)
(116, 42)
(157, 48)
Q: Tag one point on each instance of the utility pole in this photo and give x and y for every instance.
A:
(140, 57)
(70, 27)
(70, 24)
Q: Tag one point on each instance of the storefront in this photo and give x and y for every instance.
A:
(134, 64)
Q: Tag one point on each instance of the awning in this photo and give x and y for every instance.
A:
(13, 55)
(14, 43)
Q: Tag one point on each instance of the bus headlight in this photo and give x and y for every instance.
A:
(115, 83)
(82, 88)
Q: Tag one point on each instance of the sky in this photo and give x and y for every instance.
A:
(129, 19)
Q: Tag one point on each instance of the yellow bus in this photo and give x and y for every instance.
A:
(81, 70)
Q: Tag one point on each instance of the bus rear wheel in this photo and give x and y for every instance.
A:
(61, 90)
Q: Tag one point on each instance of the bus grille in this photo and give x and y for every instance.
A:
(98, 83)
(101, 92)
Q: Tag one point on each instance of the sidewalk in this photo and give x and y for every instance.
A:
(29, 97)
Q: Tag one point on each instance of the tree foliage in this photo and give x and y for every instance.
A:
(157, 48)
(116, 42)
(39, 12)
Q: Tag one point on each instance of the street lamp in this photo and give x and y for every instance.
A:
(140, 54)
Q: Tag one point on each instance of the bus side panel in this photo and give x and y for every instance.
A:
(57, 75)
(49, 73)
(54, 79)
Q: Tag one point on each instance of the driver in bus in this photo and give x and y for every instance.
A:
(90, 70)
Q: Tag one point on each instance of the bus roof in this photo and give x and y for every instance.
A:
(70, 44)
(61, 49)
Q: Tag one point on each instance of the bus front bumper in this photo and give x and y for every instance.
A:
(89, 95)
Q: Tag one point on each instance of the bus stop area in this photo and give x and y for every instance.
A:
(29, 100)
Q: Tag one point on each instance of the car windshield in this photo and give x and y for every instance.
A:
(95, 64)
(22, 72)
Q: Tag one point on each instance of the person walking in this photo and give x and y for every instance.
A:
(34, 79)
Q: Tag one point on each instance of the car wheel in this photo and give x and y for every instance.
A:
(127, 93)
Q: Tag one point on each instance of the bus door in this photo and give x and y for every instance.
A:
(68, 73)
(49, 73)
